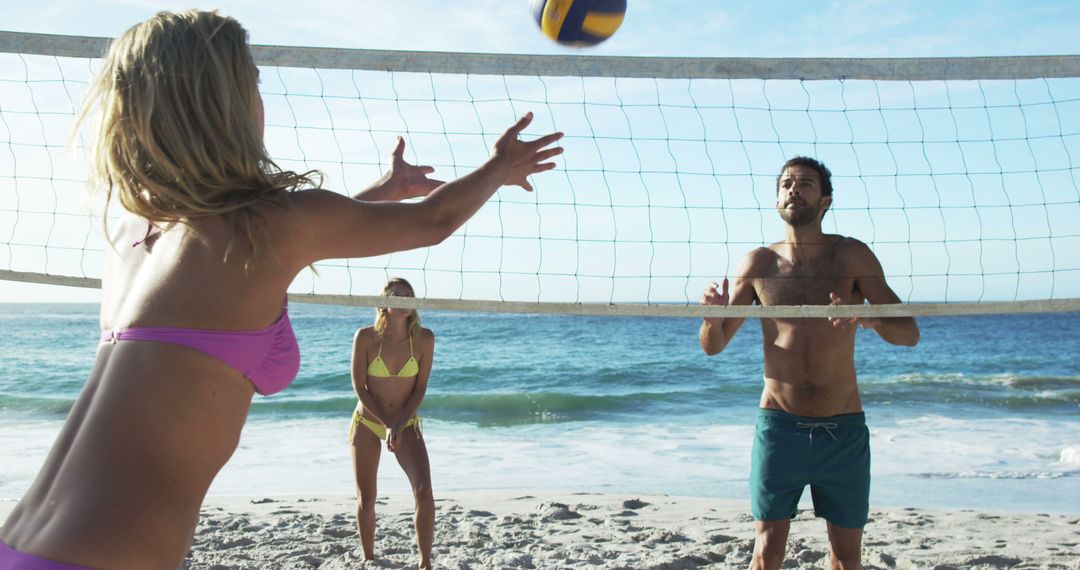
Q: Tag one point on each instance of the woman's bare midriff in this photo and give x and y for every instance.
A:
(391, 394)
(141, 475)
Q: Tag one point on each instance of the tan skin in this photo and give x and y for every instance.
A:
(392, 402)
(125, 479)
(809, 363)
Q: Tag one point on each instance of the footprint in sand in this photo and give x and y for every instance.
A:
(557, 511)
(809, 556)
(511, 520)
(992, 561)
(339, 532)
(656, 536)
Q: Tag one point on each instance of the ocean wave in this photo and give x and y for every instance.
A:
(35, 405)
(600, 381)
(544, 407)
(293, 407)
(539, 406)
(1041, 383)
(1070, 456)
(1002, 391)
(1015, 475)
(1030, 383)
(511, 408)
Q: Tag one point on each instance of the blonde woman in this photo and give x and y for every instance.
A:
(391, 363)
(193, 313)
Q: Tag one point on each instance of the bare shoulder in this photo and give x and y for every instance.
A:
(283, 207)
(365, 335)
(304, 211)
(764, 252)
(848, 241)
(425, 345)
(291, 222)
(755, 260)
(854, 250)
(312, 197)
(318, 204)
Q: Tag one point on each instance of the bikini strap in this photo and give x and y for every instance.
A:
(149, 228)
(379, 355)
(411, 355)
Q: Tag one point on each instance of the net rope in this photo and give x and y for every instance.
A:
(958, 173)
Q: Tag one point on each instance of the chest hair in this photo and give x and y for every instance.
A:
(804, 283)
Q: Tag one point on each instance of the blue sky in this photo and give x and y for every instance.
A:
(652, 28)
(690, 28)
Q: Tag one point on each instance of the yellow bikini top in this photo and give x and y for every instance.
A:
(378, 368)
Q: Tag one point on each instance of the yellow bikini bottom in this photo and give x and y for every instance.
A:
(378, 429)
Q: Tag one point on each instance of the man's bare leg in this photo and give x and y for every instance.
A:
(770, 542)
(845, 547)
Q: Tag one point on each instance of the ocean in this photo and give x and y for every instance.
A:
(983, 414)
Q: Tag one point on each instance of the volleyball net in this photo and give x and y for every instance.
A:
(959, 173)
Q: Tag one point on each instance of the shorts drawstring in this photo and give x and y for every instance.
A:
(827, 426)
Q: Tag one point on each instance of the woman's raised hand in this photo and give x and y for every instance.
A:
(408, 180)
(521, 158)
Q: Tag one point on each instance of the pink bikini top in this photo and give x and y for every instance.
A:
(268, 357)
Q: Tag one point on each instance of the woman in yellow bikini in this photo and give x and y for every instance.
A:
(391, 362)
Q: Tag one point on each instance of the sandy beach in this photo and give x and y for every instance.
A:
(546, 530)
(511, 529)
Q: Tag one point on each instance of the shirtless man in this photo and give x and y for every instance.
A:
(811, 429)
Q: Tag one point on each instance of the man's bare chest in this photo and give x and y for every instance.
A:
(804, 285)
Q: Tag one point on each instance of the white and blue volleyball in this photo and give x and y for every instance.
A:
(579, 22)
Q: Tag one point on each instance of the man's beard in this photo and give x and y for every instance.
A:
(800, 216)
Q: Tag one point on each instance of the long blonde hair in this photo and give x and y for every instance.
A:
(177, 138)
(412, 323)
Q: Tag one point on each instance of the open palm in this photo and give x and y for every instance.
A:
(408, 180)
(521, 158)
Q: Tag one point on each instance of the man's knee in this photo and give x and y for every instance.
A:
(845, 546)
(846, 564)
(770, 543)
(773, 530)
(847, 557)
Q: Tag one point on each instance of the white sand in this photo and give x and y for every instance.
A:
(550, 530)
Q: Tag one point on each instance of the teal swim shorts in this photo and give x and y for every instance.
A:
(831, 454)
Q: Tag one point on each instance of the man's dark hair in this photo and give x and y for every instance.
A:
(823, 172)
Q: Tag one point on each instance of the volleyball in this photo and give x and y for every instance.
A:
(579, 22)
